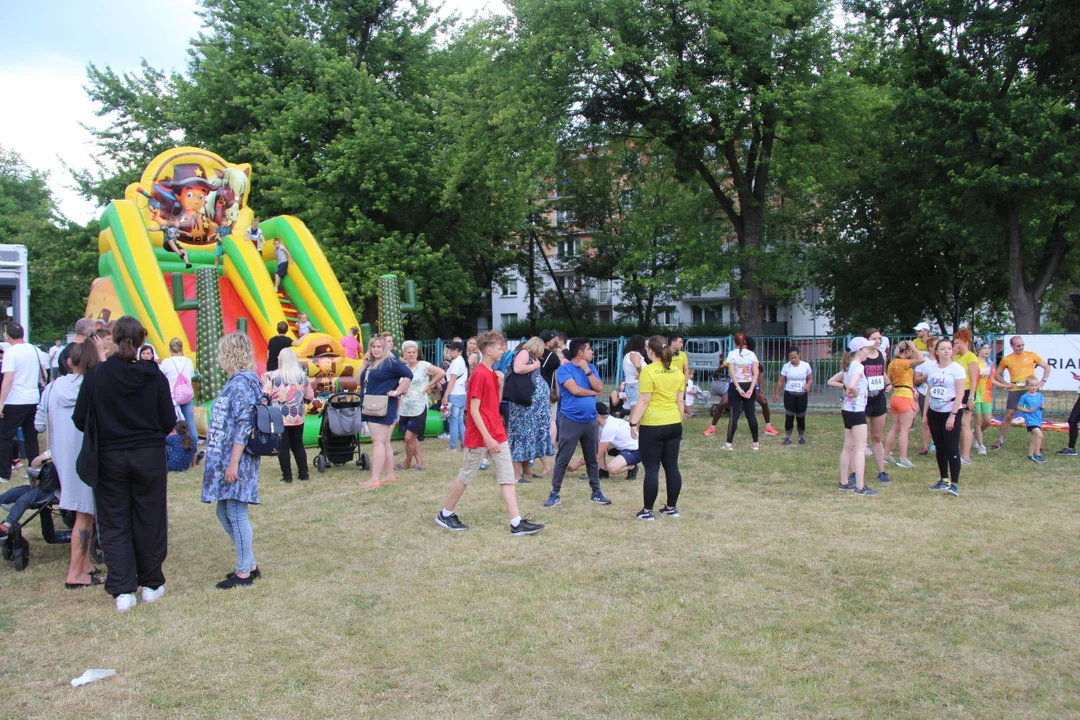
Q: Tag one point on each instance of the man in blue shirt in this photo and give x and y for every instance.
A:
(578, 388)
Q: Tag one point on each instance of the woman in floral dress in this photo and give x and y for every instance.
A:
(289, 389)
(530, 436)
(231, 476)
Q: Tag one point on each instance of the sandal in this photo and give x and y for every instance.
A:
(399, 466)
(76, 586)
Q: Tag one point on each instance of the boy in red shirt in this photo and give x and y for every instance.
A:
(484, 431)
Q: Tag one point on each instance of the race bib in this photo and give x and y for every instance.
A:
(940, 392)
(875, 384)
(795, 386)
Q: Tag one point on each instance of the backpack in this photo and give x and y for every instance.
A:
(182, 392)
(504, 362)
(267, 426)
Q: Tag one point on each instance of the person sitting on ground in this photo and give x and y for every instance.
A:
(179, 448)
(620, 401)
(276, 344)
(617, 442)
(1031, 407)
(22, 497)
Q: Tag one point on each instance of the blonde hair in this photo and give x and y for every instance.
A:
(370, 363)
(235, 353)
(534, 345)
(289, 368)
(176, 346)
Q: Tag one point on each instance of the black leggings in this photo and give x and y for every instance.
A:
(293, 440)
(795, 410)
(947, 442)
(659, 445)
(1074, 420)
(741, 406)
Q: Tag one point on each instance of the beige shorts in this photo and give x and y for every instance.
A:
(500, 461)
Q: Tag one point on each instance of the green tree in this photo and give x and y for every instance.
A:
(722, 84)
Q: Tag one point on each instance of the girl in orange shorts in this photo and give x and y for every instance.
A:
(903, 405)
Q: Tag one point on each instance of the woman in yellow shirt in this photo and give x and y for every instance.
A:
(656, 421)
(905, 357)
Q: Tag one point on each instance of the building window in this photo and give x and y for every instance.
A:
(564, 217)
(509, 288)
(769, 313)
(606, 289)
(507, 318)
(666, 317)
(568, 247)
(603, 316)
(707, 313)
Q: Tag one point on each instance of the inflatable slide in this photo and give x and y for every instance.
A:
(192, 201)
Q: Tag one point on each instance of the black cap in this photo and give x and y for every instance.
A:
(548, 335)
(455, 346)
(602, 409)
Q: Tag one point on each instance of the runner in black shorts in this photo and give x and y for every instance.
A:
(877, 399)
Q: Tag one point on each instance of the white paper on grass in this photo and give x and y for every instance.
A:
(91, 675)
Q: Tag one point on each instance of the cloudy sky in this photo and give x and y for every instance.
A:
(45, 48)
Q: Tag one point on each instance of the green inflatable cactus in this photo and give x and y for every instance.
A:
(209, 328)
(390, 319)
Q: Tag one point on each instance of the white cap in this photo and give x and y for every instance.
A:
(857, 344)
(922, 326)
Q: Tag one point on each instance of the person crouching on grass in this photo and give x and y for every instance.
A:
(484, 431)
(1031, 407)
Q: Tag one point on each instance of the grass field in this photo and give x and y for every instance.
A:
(774, 596)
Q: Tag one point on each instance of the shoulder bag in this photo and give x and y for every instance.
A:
(267, 426)
(86, 464)
(48, 480)
(373, 405)
(518, 387)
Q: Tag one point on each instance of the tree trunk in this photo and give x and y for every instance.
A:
(1026, 307)
(749, 301)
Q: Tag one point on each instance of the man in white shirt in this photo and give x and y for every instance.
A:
(616, 442)
(54, 360)
(19, 397)
(457, 378)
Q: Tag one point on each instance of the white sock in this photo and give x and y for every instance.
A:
(447, 513)
(515, 521)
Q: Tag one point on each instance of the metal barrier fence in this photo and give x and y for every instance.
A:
(823, 352)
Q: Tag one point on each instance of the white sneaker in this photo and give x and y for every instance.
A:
(443, 436)
(982, 449)
(125, 602)
(149, 595)
(869, 451)
(728, 446)
(754, 446)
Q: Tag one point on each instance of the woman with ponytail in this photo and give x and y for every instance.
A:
(659, 412)
(745, 370)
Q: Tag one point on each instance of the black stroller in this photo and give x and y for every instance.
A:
(15, 548)
(339, 432)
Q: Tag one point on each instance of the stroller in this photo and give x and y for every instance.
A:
(339, 432)
(15, 548)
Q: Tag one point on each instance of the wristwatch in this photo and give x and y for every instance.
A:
(633, 424)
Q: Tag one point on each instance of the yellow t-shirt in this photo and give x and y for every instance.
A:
(965, 360)
(918, 342)
(1021, 366)
(665, 386)
(678, 362)
(985, 391)
(903, 378)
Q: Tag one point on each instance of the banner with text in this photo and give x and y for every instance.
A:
(1060, 352)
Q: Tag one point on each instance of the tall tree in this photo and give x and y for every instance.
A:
(988, 114)
(721, 83)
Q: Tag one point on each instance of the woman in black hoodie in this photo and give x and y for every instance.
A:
(133, 411)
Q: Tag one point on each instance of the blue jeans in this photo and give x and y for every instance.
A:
(188, 411)
(233, 515)
(457, 420)
(21, 498)
(631, 389)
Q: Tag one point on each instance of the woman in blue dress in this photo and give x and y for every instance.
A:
(529, 433)
(231, 476)
(382, 374)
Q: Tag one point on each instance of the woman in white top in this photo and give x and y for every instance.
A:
(631, 367)
(920, 387)
(944, 414)
(796, 379)
(174, 366)
(853, 381)
(412, 415)
(744, 369)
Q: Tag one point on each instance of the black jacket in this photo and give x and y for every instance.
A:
(132, 402)
(274, 348)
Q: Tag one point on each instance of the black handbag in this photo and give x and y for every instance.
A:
(48, 480)
(518, 387)
(86, 464)
(267, 426)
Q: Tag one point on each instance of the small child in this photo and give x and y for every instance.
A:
(690, 396)
(255, 236)
(303, 325)
(1030, 407)
(179, 448)
(219, 249)
(281, 253)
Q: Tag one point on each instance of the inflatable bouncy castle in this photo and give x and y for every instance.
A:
(176, 253)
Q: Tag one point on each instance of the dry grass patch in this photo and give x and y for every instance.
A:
(774, 596)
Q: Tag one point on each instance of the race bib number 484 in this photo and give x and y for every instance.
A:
(875, 384)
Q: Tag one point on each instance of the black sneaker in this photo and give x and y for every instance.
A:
(255, 574)
(848, 486)
(234, 581)
(526, 527)
(954, 489)
(645, 515)
(865, 491)
(199, 456)
(669, 511)
(524, 481)
(632, 475)
(802, 441)
(599, 499)
(450, 523)
(942, 485)
(1066, 451)
(286, 479)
